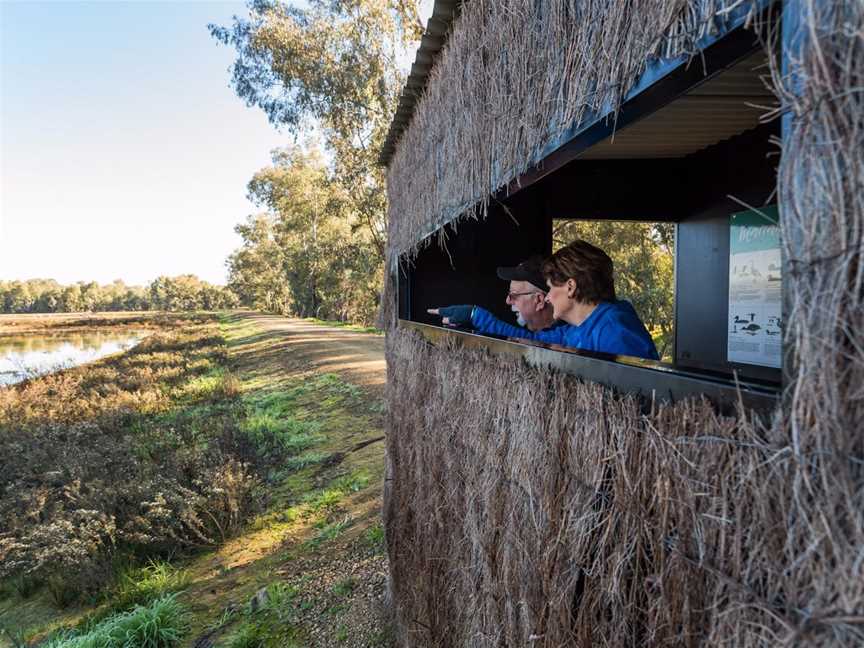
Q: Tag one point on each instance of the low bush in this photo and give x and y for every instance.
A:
(112, 464)
(21, 585)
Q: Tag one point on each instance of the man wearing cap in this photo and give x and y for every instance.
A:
(527, 295)
(526, 298)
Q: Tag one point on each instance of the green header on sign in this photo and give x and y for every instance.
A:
(753, 231)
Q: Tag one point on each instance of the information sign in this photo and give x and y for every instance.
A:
(755, 297)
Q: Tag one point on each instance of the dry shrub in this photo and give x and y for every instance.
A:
(87, 469)
(74, 528)
(526, 507)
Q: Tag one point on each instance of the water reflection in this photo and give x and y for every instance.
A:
(26, 356)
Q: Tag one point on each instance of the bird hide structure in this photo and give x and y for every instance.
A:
(528, 503)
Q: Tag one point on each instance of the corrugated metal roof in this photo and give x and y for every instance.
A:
(437, 31)
(726, 105)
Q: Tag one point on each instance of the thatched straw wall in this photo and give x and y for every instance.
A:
(527, 508)
(514, 76)
(821, 197)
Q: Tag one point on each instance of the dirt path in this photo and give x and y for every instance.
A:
(356, 357)
(339, 584)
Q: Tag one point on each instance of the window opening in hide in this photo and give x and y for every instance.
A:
(668, 197)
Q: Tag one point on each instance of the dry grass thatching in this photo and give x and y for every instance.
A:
(527, 508)
(513, 77)
(821, 195)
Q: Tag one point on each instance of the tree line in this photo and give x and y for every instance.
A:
(181, 293)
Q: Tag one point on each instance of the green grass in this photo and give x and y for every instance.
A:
(268, 625)
(353, 483)
(16, 637)
(374, 537)
(249, 635)
(277, 435)
(161, 624)
(326, 500)
(327, 390)
(307, 605)
(345, 587)
(328, 532)
(289, 422)
(143, 585)
(306, 459)
(228, 616)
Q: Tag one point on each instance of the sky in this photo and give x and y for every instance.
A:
(124, 153)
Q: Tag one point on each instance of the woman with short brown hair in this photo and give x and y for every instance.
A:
(589, 267)
(581, 284)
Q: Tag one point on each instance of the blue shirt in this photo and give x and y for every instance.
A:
(612, 327)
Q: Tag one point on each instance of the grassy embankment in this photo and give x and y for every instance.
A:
(197, 490)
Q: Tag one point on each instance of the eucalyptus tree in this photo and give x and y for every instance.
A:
(333, 67)
(306, 254)
(256, 272)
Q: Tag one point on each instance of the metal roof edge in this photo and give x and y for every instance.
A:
(431, 44)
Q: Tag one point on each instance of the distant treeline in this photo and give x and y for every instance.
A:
(182, 293)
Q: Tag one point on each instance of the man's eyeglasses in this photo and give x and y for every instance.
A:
(511, 295)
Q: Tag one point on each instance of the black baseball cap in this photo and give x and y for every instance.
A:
(529, 270)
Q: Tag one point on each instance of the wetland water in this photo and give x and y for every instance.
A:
(25, 356)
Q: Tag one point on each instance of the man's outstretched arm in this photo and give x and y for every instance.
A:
(485, 322)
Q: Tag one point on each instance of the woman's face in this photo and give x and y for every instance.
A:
(559, 297)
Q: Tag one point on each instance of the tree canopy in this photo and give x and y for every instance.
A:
(305, 253)
(317, 245)
(331, 67)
